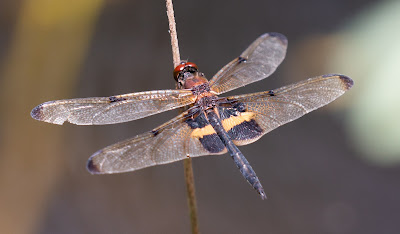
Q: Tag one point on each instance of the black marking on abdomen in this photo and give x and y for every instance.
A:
(116, 99)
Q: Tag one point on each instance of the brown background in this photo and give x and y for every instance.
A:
(315, 180)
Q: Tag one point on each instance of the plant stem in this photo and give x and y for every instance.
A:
(172, 31)
(187, 163)
(191, 194)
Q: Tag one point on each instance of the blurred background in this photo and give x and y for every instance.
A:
(336, 170)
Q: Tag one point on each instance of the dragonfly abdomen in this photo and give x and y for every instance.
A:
(241, 162)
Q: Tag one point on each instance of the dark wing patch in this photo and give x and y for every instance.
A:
(245, 132)
(272, 109)
(205, 133)
(169, 142)
(212, 143)
(114, 109)
(240, 124)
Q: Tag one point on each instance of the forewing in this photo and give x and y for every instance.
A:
(113, 109)
(257, 62)
(175, 140)
(266, 111)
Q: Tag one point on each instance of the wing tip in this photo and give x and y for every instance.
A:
(37, 113)
(279, 36)
(347, 81)
(41, 111)
(92, 167)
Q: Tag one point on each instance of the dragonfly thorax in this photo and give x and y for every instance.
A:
(192, 80)
(207, 101)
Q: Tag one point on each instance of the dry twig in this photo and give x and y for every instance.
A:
(187, 163)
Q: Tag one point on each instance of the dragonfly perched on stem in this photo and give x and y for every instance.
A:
(212, 125)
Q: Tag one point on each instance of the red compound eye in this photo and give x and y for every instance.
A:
(182, 66)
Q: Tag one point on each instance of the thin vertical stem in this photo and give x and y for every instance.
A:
(191, 194)
(172, 31)
(187, 163)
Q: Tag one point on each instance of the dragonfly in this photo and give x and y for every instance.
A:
(211, 125)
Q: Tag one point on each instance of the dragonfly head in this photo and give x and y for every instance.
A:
(187, 75)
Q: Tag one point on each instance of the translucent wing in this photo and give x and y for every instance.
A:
(256, 63)
(266, 111)
(170, 142)
(113, 109)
